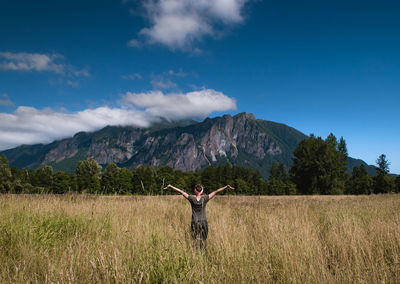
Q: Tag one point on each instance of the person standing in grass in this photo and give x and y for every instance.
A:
(199, 225)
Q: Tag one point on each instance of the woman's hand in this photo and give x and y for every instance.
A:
(168, 186)
(228, 186)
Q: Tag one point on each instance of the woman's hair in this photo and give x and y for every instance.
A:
(198, 187)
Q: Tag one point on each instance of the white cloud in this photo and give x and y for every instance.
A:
(73, 84)
(159, 82)
(134, 43)
(134, 76)
(5, 100)
(178, 24)
(178, 73)
(197, 104)
(28, 125)
(84, 72)
(22, 61)
(164, 80)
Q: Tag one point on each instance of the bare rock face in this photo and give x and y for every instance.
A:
(67, 148)
(186, 155)
(114, 148)
(118, 149)
(191, 148)
(103, 153)
(178, 151)
(219, 140)
(231, 135)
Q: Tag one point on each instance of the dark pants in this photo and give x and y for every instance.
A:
(199, 233)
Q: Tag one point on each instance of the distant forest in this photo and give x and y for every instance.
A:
(319, 167)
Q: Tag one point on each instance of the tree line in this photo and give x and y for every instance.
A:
(319, 167)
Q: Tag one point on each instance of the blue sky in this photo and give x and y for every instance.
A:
(318, 66)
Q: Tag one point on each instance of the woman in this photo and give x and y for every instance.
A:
(199, 224)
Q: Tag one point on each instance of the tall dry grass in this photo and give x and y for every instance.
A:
(82, 239)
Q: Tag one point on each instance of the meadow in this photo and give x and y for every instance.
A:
(121, 239)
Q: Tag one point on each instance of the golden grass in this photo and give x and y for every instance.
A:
(300, 239)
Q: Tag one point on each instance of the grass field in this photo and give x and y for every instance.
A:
(310, 239)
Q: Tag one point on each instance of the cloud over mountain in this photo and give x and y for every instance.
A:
(28, 125)
(197, 104)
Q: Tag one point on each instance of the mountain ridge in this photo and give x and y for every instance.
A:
(241, 140)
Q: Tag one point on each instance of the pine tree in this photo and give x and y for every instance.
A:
(383, 183)
(241, 186)
(277, 179)
(360, 181)
(209, 178)
(278, 182)
(383, 164)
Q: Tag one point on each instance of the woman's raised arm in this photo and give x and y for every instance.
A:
(212, 194)
(178, 190)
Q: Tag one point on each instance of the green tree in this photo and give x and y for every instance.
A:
(88, 176)
(20, 182)
(255, 183)
(278, 172)
(383, 164)
(226, 172)
(44, 177)
(240, 186)
(263, 188)
(124, 181)
(209, 178)
(61, 182)
(165, 176)
(144, 180)
(383, 183)
(73, 182)
(5, 175)
(109, 179)
(319, 167)
(360, 181)
(20, 175)
(278, 181)
(397, 183)
(343, 155)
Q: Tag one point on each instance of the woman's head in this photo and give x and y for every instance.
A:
(198, 189)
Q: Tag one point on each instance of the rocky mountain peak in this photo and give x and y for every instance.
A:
(245, 115)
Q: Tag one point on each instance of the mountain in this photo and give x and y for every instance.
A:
(241, 140)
